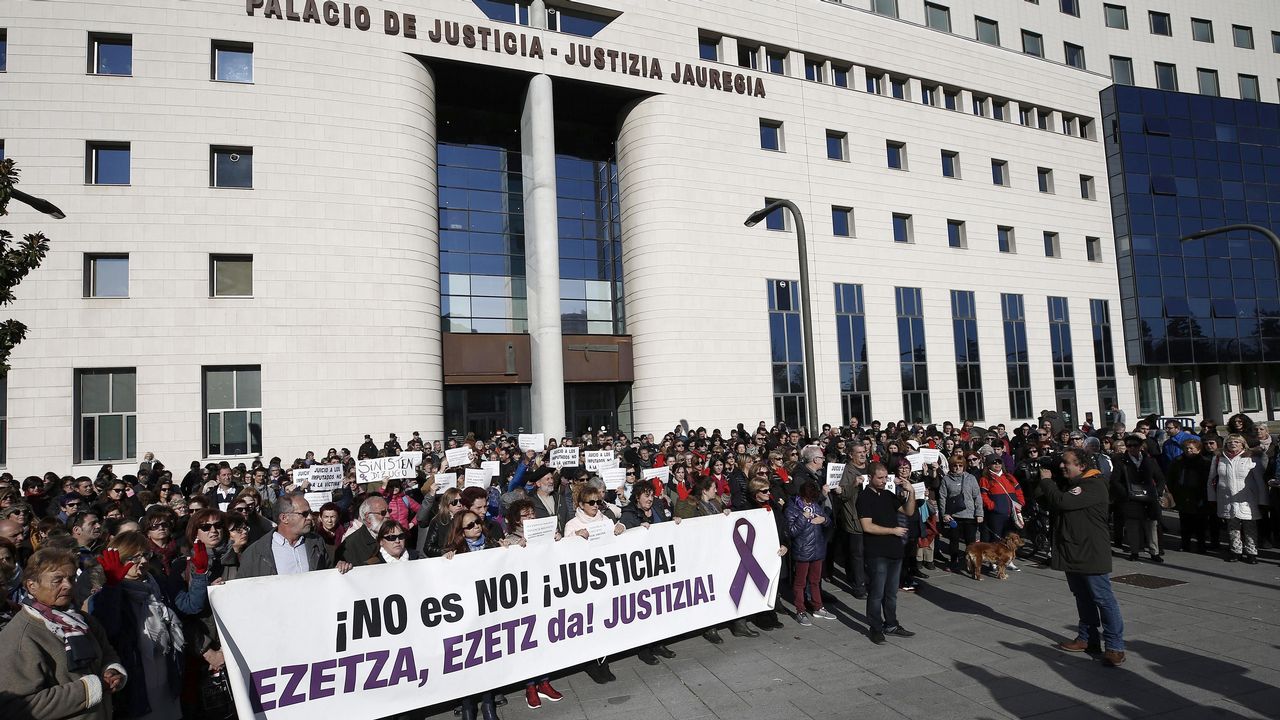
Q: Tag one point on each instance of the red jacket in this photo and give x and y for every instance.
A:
(993, 490)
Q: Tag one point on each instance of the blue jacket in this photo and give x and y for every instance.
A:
(1172, 448)
(808, 541)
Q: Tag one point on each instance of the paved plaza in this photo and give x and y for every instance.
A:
(1207, 648)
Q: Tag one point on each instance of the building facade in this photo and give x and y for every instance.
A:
(294, 222)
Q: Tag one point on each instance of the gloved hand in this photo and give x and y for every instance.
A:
(199, 559)
(114, 568)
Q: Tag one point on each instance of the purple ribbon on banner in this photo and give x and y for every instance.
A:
(747, 564)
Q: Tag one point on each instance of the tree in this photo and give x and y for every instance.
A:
(15, 263)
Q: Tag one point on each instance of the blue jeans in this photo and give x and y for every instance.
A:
(882, 592)
(1097, 605)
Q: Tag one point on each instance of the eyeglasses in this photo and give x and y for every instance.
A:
(304, 513)
(117, 489)
(383, 513)
(471, 525)
(592, 503)
(209, 527)
(161, 526)
(974, 459)
(396, 537)
(455, 501)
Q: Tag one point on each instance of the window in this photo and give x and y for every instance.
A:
(875, 83)
(987, 31)
(937, 16)
(106, 163)
(964, 323)
(232, 62)
(1150, 399)
(837, 148)
(979, 105)
(1275, 41)
(233, 410)
(1104, 361)
(1117, 16)
(1093, 249)
(1042, 119)
(1032, 43)
(813, 69)
(1201, 30)
(1074, 55)
(928, 96)
(911, 353)
(1208, 81)
(851, 335)
(1069, 7)
(770, 135)
(1249, 87)
(1051, 247)
(1064, 373)
(1086, 187)
(1004, 239)
(902, 228)
(231, 276)
(1185, 397)
(1250, 389)
(786, 352)
(999, 172)
(1068, 125)
(708, 48)
(955, 234)
(1122, 70)
(841, 221)
(1026, 116)
(106, 276)
(777, 61)
(1166, 76)
(110, 54)
(897, 155)
(840, 76)
(951, 99)
(106, 406)
(885, 7)
(1044, 179)
(1160, 23)
(776, 220)
(1242, 36)
(231, 167)
(1016, 359)
(998, 110)
(898, 88)
(950, 164)
(748, 56)
(4, 67)
(576, 22)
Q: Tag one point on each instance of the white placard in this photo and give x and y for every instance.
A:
(374, 470)
(563, 457)
(662, 473)
(614, 478)
(326, 477)
(599, 530)
(444, 481)
(539, 530)
(593, 458)
(834, 472)
(931, 455)
(476, 477)
(532, 441)
(917, 462)
(459, 456)
(609, 464)
(317, 500)
(919, 488)
(300, 475)
(414, 455)
(493, 467)
(890, 484)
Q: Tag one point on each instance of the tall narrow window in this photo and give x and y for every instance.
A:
(955, 234)
(841, 221)
(950, 164)
(851, 339)
(107, 163)
(840, 76)
(106, 276)
(1122, 70)
(110, 54)
(777, 61)
(770, 135)
(1064, 369)
(937, 16)
(1116, 16)
(1093, 249)
(786, 352)
(231, 167)
(1051, 247)
(1250, 389)
(813, 69)
(106, 407)
(1074, 55)
(1167, 76)
(4, 67)
(964, 323)
(902, 228)
(998, 110)
(777, 219)
(912, 356)
(1275, 41)
(1150, 397)
(1015, 353)
(1086, 187)
(1201, 30)
(1044, 179)
(708, 48)
(1104, 360)
(1000, 172)
(1160, 23)
(897, 155)
(875, 83)
(1208, 80)
(1186, 400)
(232, 61)
(748, 56)
(233, 410)
(987, 31)
(951, 99)
(1004, 239)
(929, 95)
(898, 88)
(837, 145)
(1032, 43)
(1249, 87)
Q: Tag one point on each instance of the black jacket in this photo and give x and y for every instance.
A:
(1081, 524)
(357, 546)
(1127, 479)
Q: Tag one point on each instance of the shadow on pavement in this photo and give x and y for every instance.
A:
(960, 604)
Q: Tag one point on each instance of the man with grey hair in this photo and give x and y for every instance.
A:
(811, 459)
(1093, 446)
(361, 544)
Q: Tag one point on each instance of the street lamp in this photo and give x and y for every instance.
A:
(1211, 380)
(39, 204)
(806, 317)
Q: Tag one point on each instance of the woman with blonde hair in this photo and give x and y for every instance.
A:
(1236, 483)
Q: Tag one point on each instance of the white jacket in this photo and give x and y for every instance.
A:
(1237, 486)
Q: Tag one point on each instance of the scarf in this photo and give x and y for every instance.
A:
(389, 558)
(62, 623)
(477, 544)
(161, 624)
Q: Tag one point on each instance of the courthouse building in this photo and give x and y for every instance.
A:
(294, 222)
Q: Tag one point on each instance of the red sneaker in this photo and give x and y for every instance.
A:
(531, 697)
(548, 692)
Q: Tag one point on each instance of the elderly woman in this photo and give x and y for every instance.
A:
(1236, 481)
(393, 544)
(588, 501)
(56, 663)
(1188, 482)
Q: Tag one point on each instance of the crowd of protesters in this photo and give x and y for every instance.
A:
(105, 579)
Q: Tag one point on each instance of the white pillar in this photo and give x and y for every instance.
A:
(542, 256)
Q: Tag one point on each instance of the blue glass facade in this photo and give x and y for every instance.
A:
(1179, 164)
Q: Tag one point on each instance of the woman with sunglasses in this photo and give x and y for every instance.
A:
(589, 502)
(393, 544)
(763, 496)
(467, 534)
(432, 542)
(205, 659)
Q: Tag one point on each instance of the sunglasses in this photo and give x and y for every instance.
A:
(592, 503)
(471, 525)
(208, 527)
(455, 501)
(395, 537)
(117, 490)
(161, 526)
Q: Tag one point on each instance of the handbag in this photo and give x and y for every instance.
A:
(215, 697)
(1139, 493)
(1166, 500)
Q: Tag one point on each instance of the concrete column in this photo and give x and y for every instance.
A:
(1210, 393)
(542, 256)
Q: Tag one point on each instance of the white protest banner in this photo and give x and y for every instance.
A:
(444, 481)
(414, 455)
(476, 477)
(458, 456)
(539, 530)
(386, 639)
(325, 477)
(662, 473)
(493, 467)
(532, 441)
(373, 470)
(834, 471)
(592, 459)
(563, 457)
(930, 455)
(614, 478)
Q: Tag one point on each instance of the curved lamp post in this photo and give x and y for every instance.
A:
(806, 317)
(39, 204)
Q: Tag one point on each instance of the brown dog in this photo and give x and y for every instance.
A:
(1000, 553)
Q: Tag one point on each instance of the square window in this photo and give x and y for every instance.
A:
(1070, 7)
(1032, 43)
(836, 145)
(1201, 30)
(1242, 36)
(841, 221)
(106, 163)
(885, 7)
(1051, 248)
(708, 48)
(1167, 76)
(1086, 187)
(813, 69)
(950, 164)
(897, 154)
(770, 135)
(748, 56)
(901, 228)
(1044, 179)
(106, 410)
(987, 31)
(1122, 70)
(999, 172)
(1249, 87)
(1208, 80)
(231, 167)
(233, 410)
(1117, 16)
(1160, 23)
(840, 76)
(1074, 55)
(110, 54)
(106, 276)
(937, 16)
(777, 61)
(231, 276)
(232, 62)
(1093, 249)
(1004, 239)
(955, 234)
